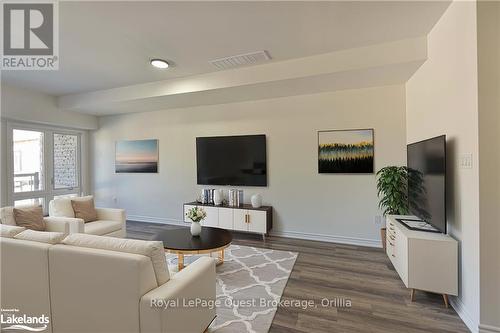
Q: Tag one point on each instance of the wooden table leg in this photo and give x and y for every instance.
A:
(446, 301)
(412, 295)
(180, 261)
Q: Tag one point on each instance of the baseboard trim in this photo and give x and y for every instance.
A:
(488, 329)
(153, 219)
(288, 234)
(328, 238)
(464, 314)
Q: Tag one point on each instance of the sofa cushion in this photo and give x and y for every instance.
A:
(9, 231)
(102, 227)
(7, 215)
(41, 236)
(84, 209)
(30, 217)
(152, 249)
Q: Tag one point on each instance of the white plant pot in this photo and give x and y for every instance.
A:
(195, 228)
(256, 200)
(218, 197)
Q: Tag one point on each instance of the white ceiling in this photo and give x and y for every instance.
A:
(107, 44)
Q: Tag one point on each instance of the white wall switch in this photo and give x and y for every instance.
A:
(466, 161)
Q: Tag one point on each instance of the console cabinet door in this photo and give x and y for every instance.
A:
(226, 218)
(212, 219)
(186, 209)
(257, 221)
(401, 256)
(240, 219)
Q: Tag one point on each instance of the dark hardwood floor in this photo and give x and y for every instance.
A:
(363, 275)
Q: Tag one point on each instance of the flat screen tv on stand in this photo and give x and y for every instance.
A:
(427, 185)
(232, 160)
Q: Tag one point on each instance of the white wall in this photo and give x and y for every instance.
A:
(489, 148)
(306, 203)
(31, 106)
(442, 98)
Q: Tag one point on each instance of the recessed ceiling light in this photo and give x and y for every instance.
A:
(159, 63)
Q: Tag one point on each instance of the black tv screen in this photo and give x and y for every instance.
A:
(427, 181)
(232, 160)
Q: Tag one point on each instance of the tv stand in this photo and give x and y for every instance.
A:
(426, 261)
(243, 218)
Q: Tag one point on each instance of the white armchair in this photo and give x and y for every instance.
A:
(57, 224)
(53, 224)
(110, 221)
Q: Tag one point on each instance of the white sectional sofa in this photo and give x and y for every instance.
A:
(110, 221)
(103, 284)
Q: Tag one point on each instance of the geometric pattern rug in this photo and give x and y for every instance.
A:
(250, 284)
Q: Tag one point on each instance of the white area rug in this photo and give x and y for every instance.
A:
(249, 287)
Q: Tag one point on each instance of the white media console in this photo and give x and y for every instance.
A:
(424, 260)
(243, 218)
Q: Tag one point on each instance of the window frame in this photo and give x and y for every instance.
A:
(48, 192)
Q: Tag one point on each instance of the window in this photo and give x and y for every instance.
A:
(18, 161)
(29, 148)
(44, 164)
(65, 161)
(29, 202)
(73, 195)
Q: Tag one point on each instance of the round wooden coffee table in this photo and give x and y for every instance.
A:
(181, 242)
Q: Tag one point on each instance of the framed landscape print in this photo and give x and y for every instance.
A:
(346, 151)
(136, 156)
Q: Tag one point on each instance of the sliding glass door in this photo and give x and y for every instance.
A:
(45, 163)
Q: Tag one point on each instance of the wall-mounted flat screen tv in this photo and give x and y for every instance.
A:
(427, 181)
(232, 160)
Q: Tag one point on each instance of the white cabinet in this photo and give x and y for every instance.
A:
(226, 218)
(246, 218)
(256, 221)
(212, 219)
(240, 220)
(250, 220)
(424, 260)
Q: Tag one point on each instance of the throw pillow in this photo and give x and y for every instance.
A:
(84, 209)
(30, 218)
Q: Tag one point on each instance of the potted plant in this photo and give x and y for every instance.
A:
(196, 215)
(392, 190)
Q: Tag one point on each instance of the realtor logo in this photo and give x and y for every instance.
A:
(13, 319)
(30, 36)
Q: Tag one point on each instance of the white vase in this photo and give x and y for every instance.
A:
(256, 200)
(218, 197)
(195, 228)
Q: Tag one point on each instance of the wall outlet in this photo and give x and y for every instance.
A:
(466, 161)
